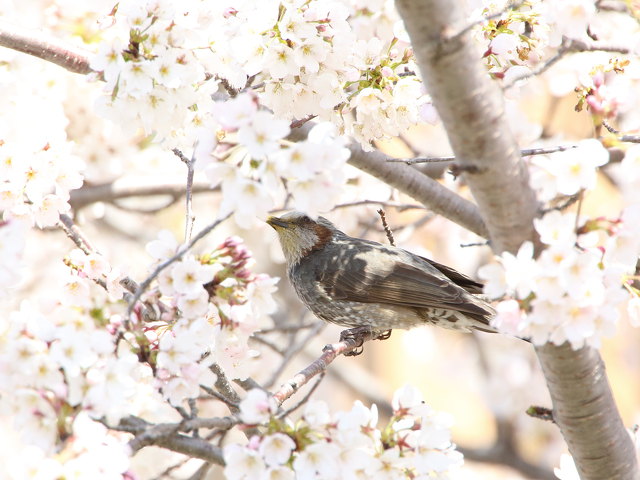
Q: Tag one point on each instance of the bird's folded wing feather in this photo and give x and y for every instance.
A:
(403, 284)
(469, 284)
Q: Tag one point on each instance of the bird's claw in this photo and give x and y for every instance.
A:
(358, 335)
(384, 335)
(355, 352)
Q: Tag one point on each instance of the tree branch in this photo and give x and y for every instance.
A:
(189, 219)
(411, 181)
(319, 365)
(77, 237)
(424, 189)
(167, 435)
(525, 153)
(110, 192)
(36, 43)
(568, 46)
(184, 249)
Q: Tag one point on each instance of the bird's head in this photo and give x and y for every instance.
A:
(300, 235)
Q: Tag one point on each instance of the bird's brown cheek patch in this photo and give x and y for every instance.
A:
(324, 236)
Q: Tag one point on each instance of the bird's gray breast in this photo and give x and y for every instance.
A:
(303, 278)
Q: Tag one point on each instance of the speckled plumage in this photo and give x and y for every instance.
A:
(354, 282)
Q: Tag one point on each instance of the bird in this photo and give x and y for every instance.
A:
(358, 283)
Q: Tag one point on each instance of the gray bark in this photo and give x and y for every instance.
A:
(471, 107)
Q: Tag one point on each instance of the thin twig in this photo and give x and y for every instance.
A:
(256, 337)
(230, 403)
(474, 244)
(167, 471)
(387, 230)
(291, 352)
(423, 220)
(562, 206)
(302, 121)
(319, 365)
(75, 234)
(144, 285)
(224, 387)
(288, 328)
(399, 206)
(610, 128)
(189, 220)
(201, 473)
(417, 160)
(527, 152)
(569, 45)
(577, 221)
(487, 18)
(304, 399)
(541, 413)
(629, 138)
(358, 203)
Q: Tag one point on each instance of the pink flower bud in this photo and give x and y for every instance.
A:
(598, 79)
(230, 12)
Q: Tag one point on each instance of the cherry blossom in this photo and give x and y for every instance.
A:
(256, 407)
(276, 449)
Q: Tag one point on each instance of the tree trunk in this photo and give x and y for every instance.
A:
(471, 107)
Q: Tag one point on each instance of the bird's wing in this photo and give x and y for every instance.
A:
(394, 281)
(469, 284)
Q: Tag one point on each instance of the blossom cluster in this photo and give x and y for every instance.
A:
(256, 168)
(152, 77)
(59, 353)
(599, 92)
(214, 303)
(571, 291)
(58, 373)
(524, 37)
(35, 183)
(58, 370)
(414, 444)
(162, 62)
(90, 453)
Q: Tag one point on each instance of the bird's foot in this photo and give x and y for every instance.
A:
(357, 335)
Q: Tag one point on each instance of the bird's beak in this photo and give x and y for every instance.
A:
(276, 222)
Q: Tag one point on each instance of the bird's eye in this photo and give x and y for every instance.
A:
(305, 219)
